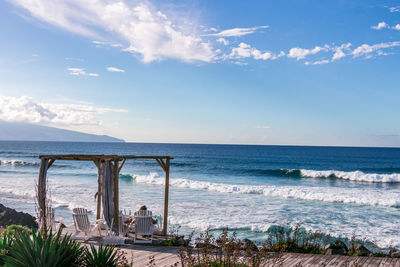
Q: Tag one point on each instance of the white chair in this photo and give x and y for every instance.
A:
(144, 226)
(82, 223)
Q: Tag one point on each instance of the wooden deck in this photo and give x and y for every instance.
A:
(168, 256)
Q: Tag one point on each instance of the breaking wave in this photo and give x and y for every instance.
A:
(17, 163)
(358, 176)
(358, 196)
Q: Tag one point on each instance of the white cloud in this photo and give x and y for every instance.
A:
(318, 62)
(148, 32)
(25, 109)
(263, 127)
(368, 50)
(77, 71)
(381, 25)
(236, 32)
(245, 51)
(223, 41)
(113, 69)
(394, 9)
(384, 25)
(81, 72)
(301, 53)
(339, 51)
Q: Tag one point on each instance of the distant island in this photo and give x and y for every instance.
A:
(19, 131)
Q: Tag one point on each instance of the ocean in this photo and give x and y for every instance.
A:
(337, 190)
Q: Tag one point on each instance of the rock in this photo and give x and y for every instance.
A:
(394, 253)
(247, 244)
(362, 250)
(180, 241)
(336, 248)
(10, 216)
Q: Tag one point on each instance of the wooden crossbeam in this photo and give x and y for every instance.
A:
(100, 157)
(122, 164)
(162, 164)
(50, 163)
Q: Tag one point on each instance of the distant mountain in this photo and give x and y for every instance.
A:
(18, 131)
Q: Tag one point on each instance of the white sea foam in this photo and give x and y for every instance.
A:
(353, 176)
(359, 196)
(16, 162)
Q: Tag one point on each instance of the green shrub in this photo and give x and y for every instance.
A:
(49, 251)
(11, 230)
(104, 256)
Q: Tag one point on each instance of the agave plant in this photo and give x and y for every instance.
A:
(49, 251)
(104, 256)
(5, 244)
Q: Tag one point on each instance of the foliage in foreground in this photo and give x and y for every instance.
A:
(23, 249)
(38, 250)
(5, 244)
(225, 250)
(103, 256)
(13, 229)
(297, 239)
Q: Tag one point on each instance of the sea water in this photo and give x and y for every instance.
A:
(337, 190)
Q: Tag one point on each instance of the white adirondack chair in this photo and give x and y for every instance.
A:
(82, 223)
(143, 226)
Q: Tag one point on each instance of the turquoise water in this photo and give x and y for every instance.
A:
(336, 190)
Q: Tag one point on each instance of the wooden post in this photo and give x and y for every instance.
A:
(165, 226)
(116, 197)
(99, 185)
(41, 195)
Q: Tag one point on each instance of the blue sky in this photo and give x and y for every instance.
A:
(243, 72)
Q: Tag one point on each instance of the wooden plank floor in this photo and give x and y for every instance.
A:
(167, 256)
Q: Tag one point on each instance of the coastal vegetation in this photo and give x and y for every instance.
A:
(20, 247)
(227, 250)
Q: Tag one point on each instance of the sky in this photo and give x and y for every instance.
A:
(226, 72)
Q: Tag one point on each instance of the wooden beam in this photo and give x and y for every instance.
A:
(166, 196)
(100, 156)
(41, 195)
(99, 193)
(162, 164)
(116, 195)
(120, 166)
(50, 163)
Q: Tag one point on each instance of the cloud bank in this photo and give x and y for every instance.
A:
(113, 69)
(147, 32)
(25, 109)
(237, 32)
(138, 27)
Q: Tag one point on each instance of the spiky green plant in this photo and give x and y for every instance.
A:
(5, 244)
(49, 251)
(103, 256)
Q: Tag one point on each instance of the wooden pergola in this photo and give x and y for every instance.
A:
(117, 162)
